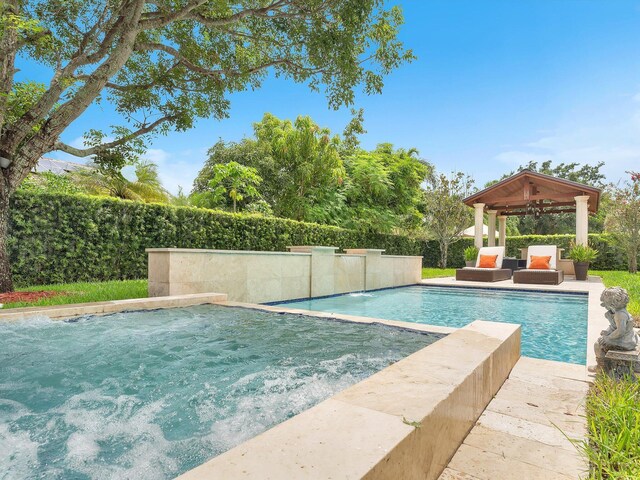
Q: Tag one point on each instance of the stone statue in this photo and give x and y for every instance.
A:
(620, 334)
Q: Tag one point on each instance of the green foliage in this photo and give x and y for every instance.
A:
(613, 422)
(179, 61)
(445, 214)
(623, 220)
(311, 175)
(231, 182)
(471, 253)
(72, 238)
(582, 253)
(107, 180)
(48, 182)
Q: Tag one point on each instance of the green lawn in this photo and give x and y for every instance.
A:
(86, 292)
(438, 272)
(629, 281)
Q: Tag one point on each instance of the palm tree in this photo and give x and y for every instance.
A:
(146, 187)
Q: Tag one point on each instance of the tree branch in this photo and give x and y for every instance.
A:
(189, 13)
(85, 152)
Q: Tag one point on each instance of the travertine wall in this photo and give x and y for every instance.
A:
(259, 277)
(404, 422)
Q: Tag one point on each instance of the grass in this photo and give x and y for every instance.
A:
(613, 421)
(86, 292)
(438, 272)
(629, 281)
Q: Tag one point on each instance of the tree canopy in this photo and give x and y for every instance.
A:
(307, 173)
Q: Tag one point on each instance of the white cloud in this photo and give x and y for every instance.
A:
(611, 137)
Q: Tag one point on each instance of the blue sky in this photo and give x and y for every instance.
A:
(496, 84)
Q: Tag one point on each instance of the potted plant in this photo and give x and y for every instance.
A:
(470, 256)
(582, 256)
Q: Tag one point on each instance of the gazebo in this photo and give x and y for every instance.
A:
(528, 192)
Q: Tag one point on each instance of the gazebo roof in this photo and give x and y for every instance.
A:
(528, 191)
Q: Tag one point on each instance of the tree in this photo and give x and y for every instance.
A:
(109, 181)
(165, 63)
(383, 189)
(231, 182)
(306, 163)
(446, 215)
(623, 220)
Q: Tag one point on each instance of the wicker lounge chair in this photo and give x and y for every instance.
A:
(476, 274)
(553, 276)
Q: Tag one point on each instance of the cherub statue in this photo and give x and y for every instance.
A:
(620, 334)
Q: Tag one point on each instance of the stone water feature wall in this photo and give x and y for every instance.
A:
(258, 277)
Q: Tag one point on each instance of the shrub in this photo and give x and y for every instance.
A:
(70, 238)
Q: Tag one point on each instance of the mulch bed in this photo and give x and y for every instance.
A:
(12, 297)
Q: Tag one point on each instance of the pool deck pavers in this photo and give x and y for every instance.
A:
(523, 431)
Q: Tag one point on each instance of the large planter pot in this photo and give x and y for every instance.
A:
(581, 269)
(470, 263)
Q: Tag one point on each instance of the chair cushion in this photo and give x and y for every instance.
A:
(487, 261)
(540, 262)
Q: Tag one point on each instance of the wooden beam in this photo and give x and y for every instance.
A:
(540, 212)
(540, 196)
(537, 205)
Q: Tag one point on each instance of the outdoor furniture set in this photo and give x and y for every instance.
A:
(491, 266)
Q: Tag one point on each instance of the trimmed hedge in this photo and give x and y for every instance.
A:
(610, 256)
(70, 238)
(57, 238)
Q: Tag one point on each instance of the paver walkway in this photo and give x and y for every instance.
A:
(521, 434)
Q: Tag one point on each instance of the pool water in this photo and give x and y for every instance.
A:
(554, 326)
(149, 395)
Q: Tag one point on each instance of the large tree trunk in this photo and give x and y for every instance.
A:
(6, 282)
(633, 260)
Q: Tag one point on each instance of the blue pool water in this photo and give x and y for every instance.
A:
(149, 395)
(554, 326)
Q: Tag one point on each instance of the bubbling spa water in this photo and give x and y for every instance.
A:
(149, 395)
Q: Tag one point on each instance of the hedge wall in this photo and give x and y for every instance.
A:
(610, 256)
(67, 238)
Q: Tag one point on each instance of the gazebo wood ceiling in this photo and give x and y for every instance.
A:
(532, 192)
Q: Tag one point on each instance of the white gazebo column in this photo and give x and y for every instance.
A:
(582, 219)
(502, 230)
(492, 227)
(479, 217)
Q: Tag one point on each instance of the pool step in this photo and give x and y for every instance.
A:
(525, 427)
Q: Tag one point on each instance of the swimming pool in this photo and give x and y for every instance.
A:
(149, 395)
(554, 326)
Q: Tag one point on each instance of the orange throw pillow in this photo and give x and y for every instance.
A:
(488, 261)
(540, 263)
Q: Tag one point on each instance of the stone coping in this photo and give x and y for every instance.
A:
(223, 252)
(405, 421)
(96, 308)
